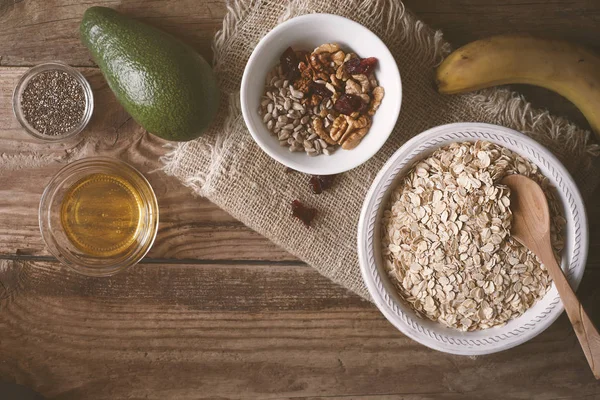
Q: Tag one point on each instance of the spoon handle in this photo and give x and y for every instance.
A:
(586, 332)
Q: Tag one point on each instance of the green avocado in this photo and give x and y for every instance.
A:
(166, 86)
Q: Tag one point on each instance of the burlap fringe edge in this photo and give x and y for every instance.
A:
(510, 106)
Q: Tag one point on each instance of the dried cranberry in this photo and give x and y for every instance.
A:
(348, 103)
(361, 65)
(303, 213)
(320, 89)
(318, 183)
(364, 107)
(289, 64)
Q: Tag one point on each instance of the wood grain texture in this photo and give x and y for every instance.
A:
(261, 332)
(32, 31)
(190, 227)
(218, 327)
(463, 21)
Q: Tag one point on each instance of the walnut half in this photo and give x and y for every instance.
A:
(320, 130)
(352, 140)
(378, 94)
(327, 48)
(365, 85)
(352, 87)
(340, 126)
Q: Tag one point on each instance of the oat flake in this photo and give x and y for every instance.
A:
(446, 238)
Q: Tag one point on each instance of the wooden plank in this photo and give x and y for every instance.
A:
(269, 332)
(190, 227)
(466, 20)
(35, 31)
(27, 28)
(232, 331)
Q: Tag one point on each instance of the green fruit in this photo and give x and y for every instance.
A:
(166, 86)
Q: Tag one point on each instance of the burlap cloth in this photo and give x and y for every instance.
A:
(226, 165)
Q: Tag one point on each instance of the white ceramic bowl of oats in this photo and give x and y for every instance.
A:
(305, 33)
(448, 320)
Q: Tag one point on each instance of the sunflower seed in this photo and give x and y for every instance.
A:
(297, 107)
(284, 134)
(296, 93)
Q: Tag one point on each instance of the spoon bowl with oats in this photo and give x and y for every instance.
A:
(435, 245)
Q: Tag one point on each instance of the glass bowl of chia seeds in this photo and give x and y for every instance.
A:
(53, 101)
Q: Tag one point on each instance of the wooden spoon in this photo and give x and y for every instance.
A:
(531, 227)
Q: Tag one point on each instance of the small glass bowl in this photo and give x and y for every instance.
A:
(53, 66)
(64, 249)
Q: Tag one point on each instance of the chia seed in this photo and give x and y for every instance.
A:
(53, 102)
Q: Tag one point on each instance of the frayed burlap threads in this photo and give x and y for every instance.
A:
(226, 165)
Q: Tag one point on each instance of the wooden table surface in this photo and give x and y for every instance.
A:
(216, 310)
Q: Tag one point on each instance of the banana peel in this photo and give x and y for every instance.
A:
(571, 70)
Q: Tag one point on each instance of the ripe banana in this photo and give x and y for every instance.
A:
(566, 68)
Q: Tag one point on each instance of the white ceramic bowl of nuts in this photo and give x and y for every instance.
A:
(434, 239)
(321, 94)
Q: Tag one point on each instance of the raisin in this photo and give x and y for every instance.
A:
(348, 103)
(289, 64)
(303, 213)
(361, 65)
(352, 65)
(318, 183)
(320, 89)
